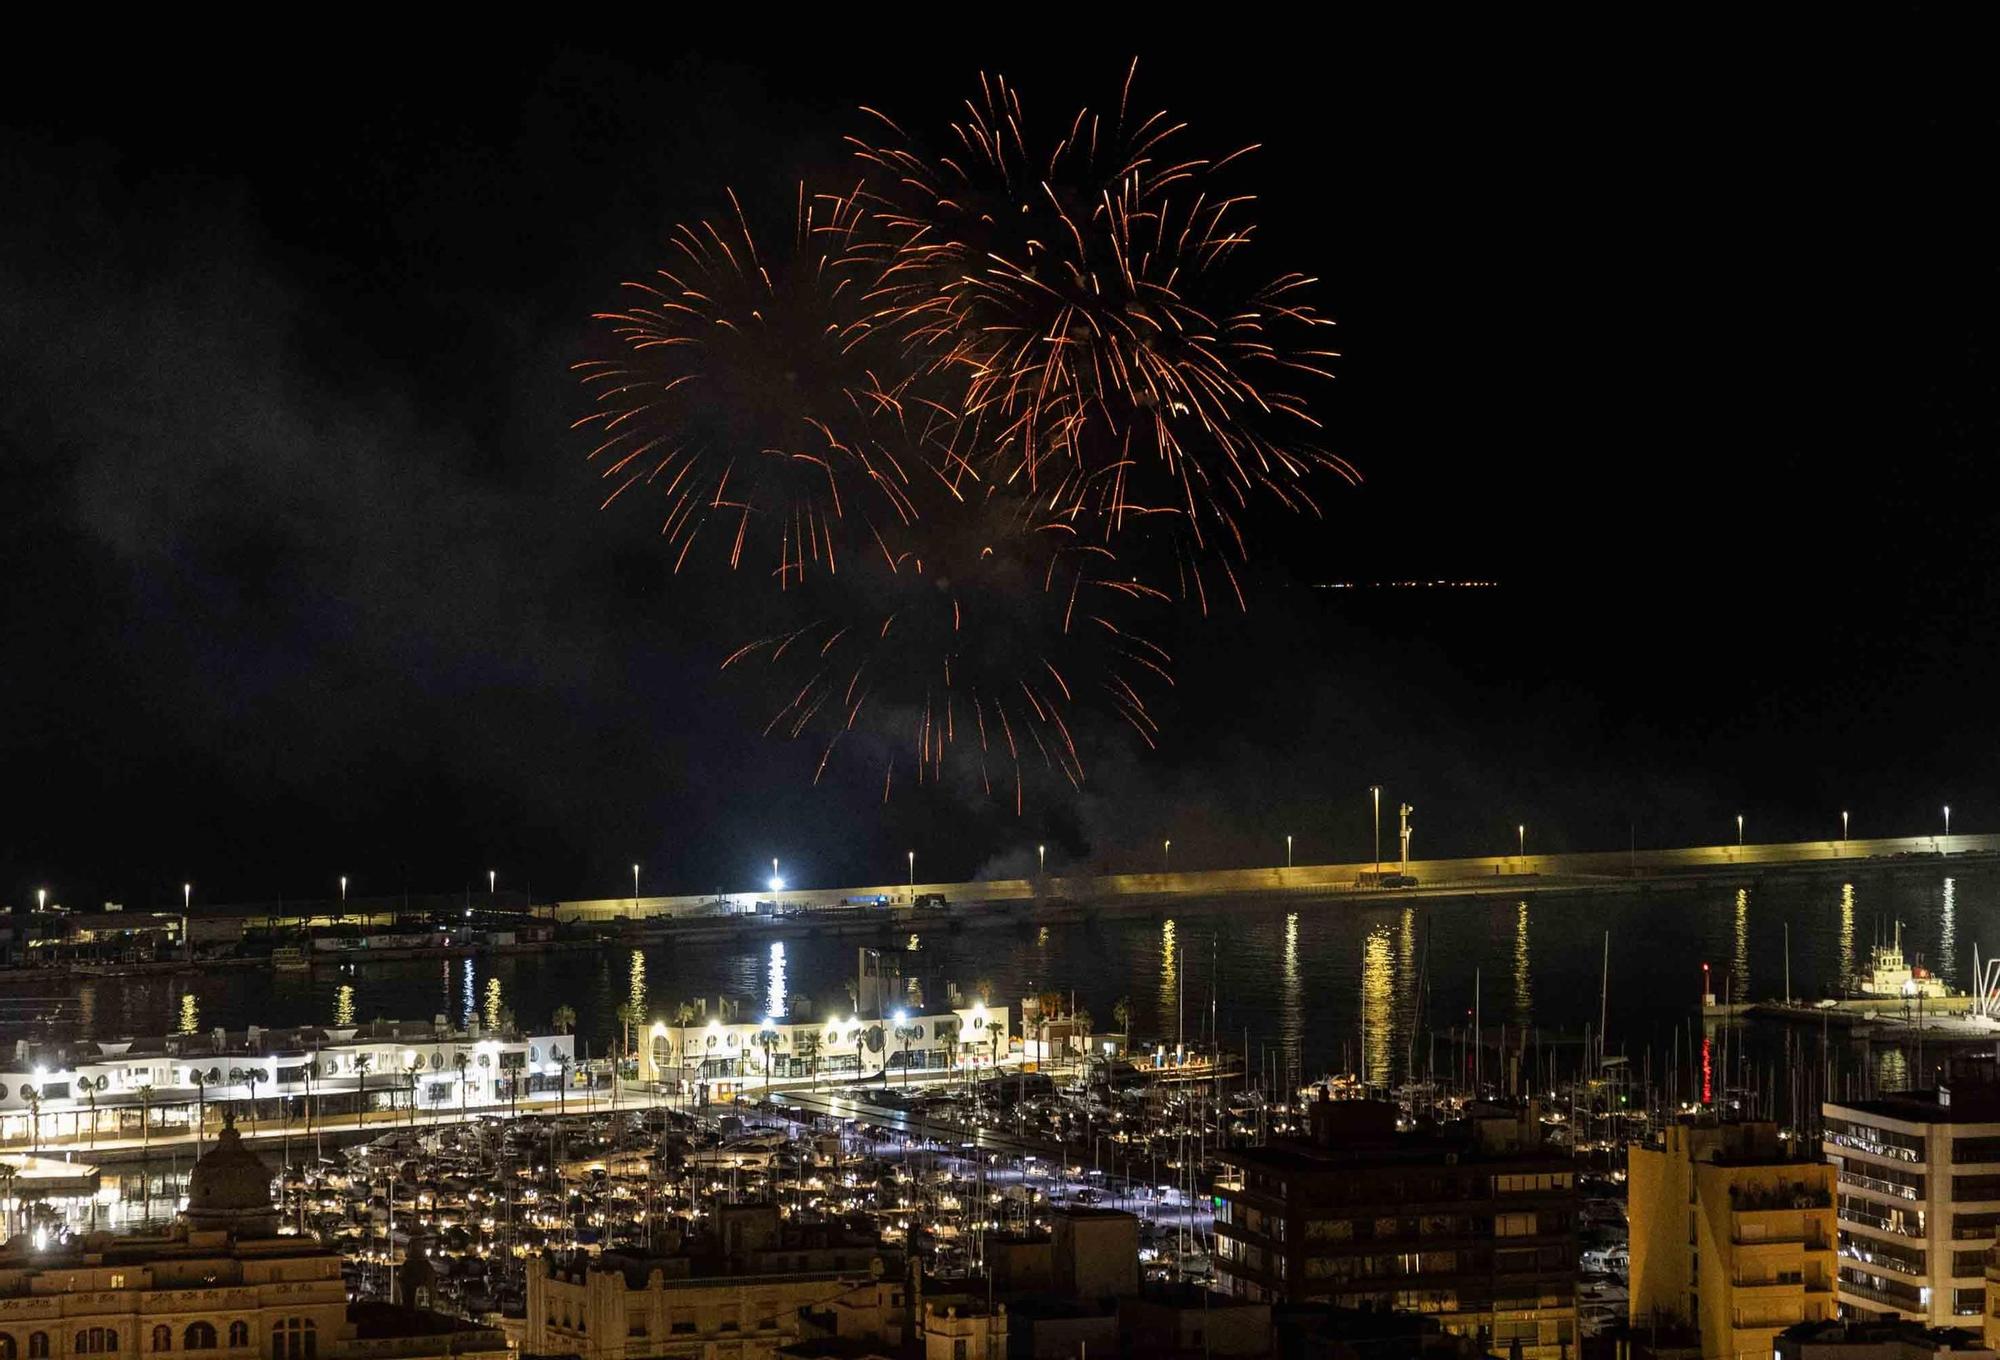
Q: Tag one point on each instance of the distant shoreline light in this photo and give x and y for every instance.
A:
(1406, 585)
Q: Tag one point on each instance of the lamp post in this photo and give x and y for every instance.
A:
(41, 899)
(1843, 827)
(913, 875)
(635, 885)
(1521, 838)
(1042, 854)
(343, 899)
(492, 882)
(1288, 849)
(1739, 831)
(1166, 857)
(1947, 826)
(1375, 792)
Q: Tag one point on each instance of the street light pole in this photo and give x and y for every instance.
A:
(1947, 826)
(1288, 849)
(1739, 831)
(1521, 835)
(1843, 827)
(1042, 853)
(913, 877)
(492, 882)
(1375, 790)
(635, 885)
(1166, 857)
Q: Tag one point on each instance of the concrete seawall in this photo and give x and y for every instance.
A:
(1470, 874)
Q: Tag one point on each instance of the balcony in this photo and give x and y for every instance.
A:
(1879, 1186)
(1883, 1223)
(1901, 1303)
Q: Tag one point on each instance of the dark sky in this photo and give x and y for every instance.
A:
(1690, 344)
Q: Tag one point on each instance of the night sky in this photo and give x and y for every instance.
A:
(1689, 347)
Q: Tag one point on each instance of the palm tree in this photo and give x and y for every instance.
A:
(362, 1062)
(251, 1077)
(564, 1019)
(146, 1120)
(462, 1061)
(1121, 1013)
(629, 1017)
(767, 1039)
(805, 1043)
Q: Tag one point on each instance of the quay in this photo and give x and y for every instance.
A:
(314, 934)
(1048, 898)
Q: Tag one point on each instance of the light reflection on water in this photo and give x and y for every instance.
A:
(1947, 955)
(1739, 961)
(1306, 977)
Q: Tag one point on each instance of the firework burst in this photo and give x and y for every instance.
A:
(1085, 301)
(965, 419)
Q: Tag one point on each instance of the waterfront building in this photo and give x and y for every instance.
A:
(1473, 1223)
(744, 1294)
(1731, 1233)
(727, 1055)
(220, 1285)
(1878, 1340)
(77, 1095)
(1918, 1180)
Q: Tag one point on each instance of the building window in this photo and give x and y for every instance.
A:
(8, 1348)
(38, 1345)
(958, 1349)
(239, 1333)
(96, 1340)
(200, 1336)
(163, 1338)
(295, 1339)
(1513, 1225)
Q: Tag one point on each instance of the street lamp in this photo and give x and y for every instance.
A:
(1288, 849)
(1375, 791)
(492, 882)
(635, 883)
(1521, 838)
(1947, 825)
(1843, 827)
(41, 899)
(913, 873)
(187, 889)
(1167, 856)
(1739, 831)
(1042, 853)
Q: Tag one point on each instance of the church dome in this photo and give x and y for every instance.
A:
(230, 1188)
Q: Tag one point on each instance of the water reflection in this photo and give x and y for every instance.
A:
(1292, 1010)
(1378, 981)
(190, 1014)
(343, 1006)
(1846, 934)
(1947, 961)
(494, 1009)
(1524, 997)
(636, 986)
(469, 1008)
(1739, 963)
(1170, 975)
(1892, 1070)
(775, 992)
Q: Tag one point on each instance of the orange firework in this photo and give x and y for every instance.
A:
(967, 416)
(1085, 299)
